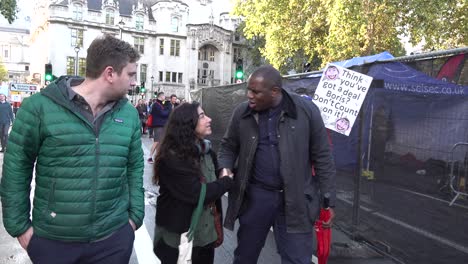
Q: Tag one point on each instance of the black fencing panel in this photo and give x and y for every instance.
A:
(413, 179)
(218, 103)
(408, 151)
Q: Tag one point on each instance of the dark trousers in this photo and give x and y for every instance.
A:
(143, 127)
(168, 255)
(265, 209)
(150, 132)
(4, 134)
(115, 249)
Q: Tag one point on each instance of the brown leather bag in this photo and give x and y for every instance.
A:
(218, 225)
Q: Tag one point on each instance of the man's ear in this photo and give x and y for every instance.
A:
(109, 74)
(276, 90)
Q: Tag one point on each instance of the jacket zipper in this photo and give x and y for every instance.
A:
(278, 135)
(51, 205)
(93, 207)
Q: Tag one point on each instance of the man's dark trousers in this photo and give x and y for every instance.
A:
(265, 208)
(115, 249)
(4, 134)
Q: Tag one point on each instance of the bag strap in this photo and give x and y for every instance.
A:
(197, 213)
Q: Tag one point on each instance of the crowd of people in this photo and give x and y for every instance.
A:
(83, 139)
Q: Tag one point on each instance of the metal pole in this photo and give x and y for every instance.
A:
(77, 49)
(121, 25)
(357, 179)
(152, 87)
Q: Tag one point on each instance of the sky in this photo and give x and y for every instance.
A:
(23, 16)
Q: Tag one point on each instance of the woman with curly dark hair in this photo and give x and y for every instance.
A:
(183, 162)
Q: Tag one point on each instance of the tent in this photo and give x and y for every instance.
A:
(427, 107)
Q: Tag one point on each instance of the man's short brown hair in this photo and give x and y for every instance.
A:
(107, 51)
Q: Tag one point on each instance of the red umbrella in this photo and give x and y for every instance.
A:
(323, 233)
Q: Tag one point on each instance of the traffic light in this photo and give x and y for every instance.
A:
(48, 72)
(239, 71)
(142, 87)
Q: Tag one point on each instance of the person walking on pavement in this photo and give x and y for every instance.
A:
(149, 127)
(276, 137)
(6, 119)
(184, 161)
(173, 101)
(160, 111)
(83, 138)
(143, 114)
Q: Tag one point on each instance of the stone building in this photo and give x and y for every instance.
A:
(185, 44)
(14, 48)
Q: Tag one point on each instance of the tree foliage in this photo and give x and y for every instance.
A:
(8, 9)
(3, 72)
(252, 56)
(330, 30)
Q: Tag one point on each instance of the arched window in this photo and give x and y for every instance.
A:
(175, 24)
(110, 14)
(139, 22)
(207, 53)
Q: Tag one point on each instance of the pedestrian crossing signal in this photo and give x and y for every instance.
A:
(239, 74)
(48, 72)
(239, 70)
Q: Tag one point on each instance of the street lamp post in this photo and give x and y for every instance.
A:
(152, 86)
(77, 49)
(133, 94)
(121, 25)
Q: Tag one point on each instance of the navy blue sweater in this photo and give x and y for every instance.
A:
(6, 113)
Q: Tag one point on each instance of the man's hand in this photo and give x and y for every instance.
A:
(329, 223)
(132, 224)
(25, 238)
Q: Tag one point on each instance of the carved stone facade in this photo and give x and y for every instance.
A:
(210, 49)
(184, 44)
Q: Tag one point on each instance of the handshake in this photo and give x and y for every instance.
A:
(226, 173)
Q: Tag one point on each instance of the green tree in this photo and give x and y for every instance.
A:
(330, 30)
(440, 24)
(3, 72)
(253, 57)
(8, 9)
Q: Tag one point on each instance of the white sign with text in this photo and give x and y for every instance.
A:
(339, 96)
(23, 87)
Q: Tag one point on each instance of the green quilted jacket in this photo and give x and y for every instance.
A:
(87, 185)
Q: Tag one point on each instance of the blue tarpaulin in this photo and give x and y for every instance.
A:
(400, 77)
(364, 60)
(427, 115)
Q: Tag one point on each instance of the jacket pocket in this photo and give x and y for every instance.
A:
(50, 213)
(312, 203)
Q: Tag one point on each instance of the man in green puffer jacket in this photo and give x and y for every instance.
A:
(83, 139)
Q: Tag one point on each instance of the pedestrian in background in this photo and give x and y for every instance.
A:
(150, 126)
(184, 161)
(143, 114)
(173, 101)
(276, 137)
(6, 119)
(83, 138)
(160, 111)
